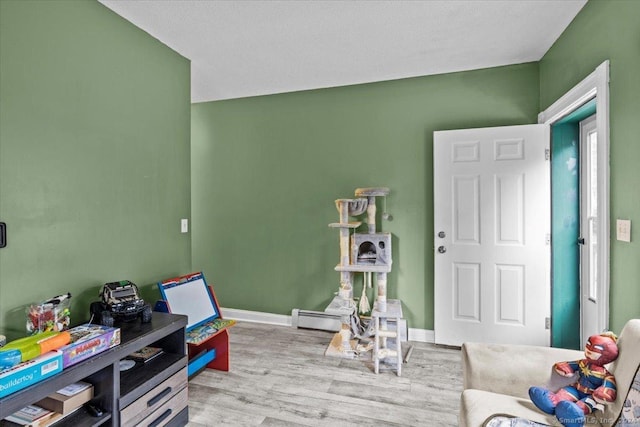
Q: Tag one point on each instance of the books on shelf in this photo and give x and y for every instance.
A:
(32, 415)
(145, 354)
(52, 408)
(45, 421)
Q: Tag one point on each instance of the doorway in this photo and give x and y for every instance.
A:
(576, 312)
(570, 219)
(569, 321)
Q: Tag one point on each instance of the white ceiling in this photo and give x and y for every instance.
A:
(259, 47)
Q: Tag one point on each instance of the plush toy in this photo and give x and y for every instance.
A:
(594, 386)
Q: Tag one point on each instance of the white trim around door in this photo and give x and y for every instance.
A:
(595, 85)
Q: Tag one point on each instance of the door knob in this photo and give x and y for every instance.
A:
(442, 249)
(442, 234)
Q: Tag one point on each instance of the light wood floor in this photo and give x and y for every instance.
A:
(280, 377)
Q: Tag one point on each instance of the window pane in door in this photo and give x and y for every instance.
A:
(592, 144)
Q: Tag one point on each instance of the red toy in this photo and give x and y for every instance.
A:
(594, 386)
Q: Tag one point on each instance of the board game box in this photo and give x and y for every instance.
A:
(30, 372)
(88, 340)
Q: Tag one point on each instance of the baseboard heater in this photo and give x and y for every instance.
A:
(307, 319)
(322, 321)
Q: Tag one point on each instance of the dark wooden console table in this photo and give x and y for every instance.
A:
(149, 394)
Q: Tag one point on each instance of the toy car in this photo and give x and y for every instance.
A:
(120, 301)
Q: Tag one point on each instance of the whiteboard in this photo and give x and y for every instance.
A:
(191, 298)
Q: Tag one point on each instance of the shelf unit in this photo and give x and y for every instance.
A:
(114, 391)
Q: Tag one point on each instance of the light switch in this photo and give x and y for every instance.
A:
(184, 225)
(623, 230)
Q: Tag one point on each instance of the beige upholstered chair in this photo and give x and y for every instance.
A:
(497, 379)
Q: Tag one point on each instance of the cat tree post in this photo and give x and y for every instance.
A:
(346, 287)
(371, 213)
(382, 291)
(343, 303)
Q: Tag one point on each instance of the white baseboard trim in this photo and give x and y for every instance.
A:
(256, 316)
(422, 335)
(419, 335)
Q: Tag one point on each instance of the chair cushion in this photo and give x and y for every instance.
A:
(478, 406)
(512, 369)
(506, 421)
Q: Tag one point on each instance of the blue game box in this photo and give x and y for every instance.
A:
(30, 372)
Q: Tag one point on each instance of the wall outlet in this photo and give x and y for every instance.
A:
(184, 225)
(623, 230)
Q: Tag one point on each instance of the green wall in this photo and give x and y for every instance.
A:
(266, 171)
(94, 155)
(609, 30)
(94, 162)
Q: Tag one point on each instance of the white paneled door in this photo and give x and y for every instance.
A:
(491, 236)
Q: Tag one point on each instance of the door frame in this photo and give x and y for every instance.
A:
(595, 85)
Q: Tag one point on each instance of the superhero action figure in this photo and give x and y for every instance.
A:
(594, 386)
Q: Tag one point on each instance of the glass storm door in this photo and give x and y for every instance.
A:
(589, 223)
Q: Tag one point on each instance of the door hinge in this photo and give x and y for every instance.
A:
(547, 323)
(547, 154)
(547, 239)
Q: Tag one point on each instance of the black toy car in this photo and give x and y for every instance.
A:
(120, 301)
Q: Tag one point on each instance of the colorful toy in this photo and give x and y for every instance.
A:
(51, 315)
(27, 348)
(595, 385)
(87, 340)
(120, 301)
